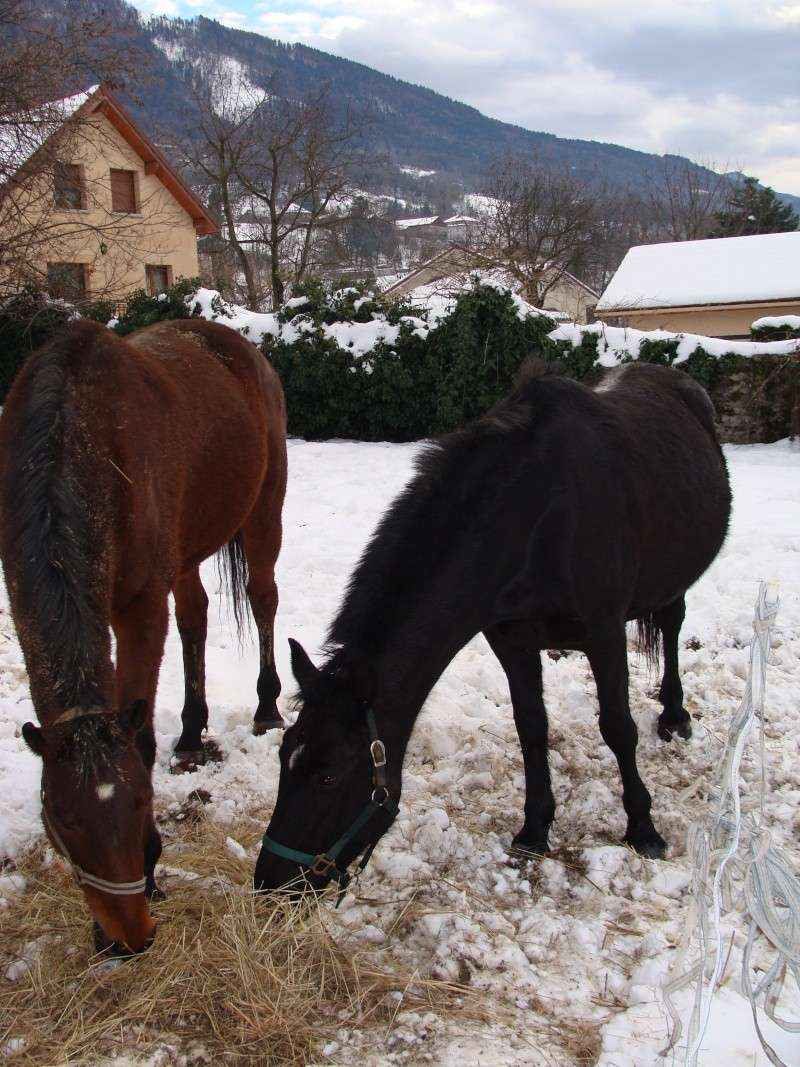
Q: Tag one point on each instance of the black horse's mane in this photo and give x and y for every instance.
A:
(47, 529)
(417, 531)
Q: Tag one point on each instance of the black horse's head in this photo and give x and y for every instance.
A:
(333, 801)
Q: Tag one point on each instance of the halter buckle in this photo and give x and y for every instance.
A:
(378, 752)
(323, 865)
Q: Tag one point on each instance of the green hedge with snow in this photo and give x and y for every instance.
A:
(354, 366)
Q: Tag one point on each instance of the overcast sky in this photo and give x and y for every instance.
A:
(717, 80)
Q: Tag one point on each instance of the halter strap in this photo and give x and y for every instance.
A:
(85, 878)
(78, 713)
(324, 864)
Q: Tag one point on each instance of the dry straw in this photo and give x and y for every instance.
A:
(240, 980)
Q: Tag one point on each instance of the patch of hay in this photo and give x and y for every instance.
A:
(231, 978)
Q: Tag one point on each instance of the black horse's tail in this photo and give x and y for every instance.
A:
(233, 574)
(648, 636)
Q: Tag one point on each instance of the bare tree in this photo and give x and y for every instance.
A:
(684, 198)
(281, 170)
(538, 222)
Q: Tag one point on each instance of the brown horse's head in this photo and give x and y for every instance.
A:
(97, 808)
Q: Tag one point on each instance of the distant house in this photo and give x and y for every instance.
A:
(714, 287)
(460, 228)
(440, 279)
(103, 210)
(428, 226)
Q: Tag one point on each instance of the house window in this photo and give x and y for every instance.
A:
(123, 191)
(157, 279)
(67, 281)
(68, 186)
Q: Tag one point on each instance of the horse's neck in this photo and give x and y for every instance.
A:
(413, 659)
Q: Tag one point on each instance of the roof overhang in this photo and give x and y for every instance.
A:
(744, 305)
(104, 103)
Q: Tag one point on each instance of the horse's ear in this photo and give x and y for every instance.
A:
(33, 737)
(304, 671)
(133, 718)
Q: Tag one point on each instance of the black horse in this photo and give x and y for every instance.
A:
(548, 523)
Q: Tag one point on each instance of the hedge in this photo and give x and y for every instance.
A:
(423, 375)
(430, 379)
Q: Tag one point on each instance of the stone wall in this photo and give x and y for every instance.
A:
(759, 399)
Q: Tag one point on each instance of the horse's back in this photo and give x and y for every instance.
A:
(177, 342)
(624, 485)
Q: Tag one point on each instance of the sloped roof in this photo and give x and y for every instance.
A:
(32, 136)
(20, 141)
(456, 259)
(726, 270)
(408, 224)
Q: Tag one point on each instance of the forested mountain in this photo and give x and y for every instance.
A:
(415, 127)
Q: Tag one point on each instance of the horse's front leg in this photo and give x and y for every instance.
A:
(607, 652)
(141, 630)
(515, 648)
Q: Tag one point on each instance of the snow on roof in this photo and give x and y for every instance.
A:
(416, 172)
(459, 218)
(406, 224)
(19, 140)
(725, 270)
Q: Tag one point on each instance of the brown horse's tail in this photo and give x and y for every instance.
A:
(648, 636)
(234, 574)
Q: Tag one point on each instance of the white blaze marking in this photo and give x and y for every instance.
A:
(105, 791)
(294, 756)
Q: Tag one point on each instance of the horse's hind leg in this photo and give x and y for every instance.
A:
(674, 718)
(608, 658)
(520, 659)
(262, 542)
(191, 614)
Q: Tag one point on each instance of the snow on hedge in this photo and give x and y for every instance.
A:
(776, 321)
(618, 344)
(615, 344)
(359, 338)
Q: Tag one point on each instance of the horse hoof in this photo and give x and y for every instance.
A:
(528, 849)
(186, 762)
(653, 846)
(190, 760)
(666, 731)
(260, 728)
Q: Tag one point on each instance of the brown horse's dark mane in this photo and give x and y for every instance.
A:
(48, 531)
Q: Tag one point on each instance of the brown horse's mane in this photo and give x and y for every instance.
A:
(47, 530)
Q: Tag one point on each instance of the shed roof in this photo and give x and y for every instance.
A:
(726, 270)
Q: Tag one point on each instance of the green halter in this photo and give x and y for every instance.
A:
(324, 865)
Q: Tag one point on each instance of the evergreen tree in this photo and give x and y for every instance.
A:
(753, 208)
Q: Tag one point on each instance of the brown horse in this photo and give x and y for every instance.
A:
(123, 465)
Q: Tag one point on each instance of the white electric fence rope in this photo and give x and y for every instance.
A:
(735, 865)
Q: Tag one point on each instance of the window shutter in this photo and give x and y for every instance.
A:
(157, 280)
(68, 186)
(66, 281)
(123, 191)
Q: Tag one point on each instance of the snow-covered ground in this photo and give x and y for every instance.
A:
(570, 950)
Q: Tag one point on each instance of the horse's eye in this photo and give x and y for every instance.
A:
(329, 779)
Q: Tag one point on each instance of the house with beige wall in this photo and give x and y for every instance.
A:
(95, 209)
(715, 287)
(451, 271)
